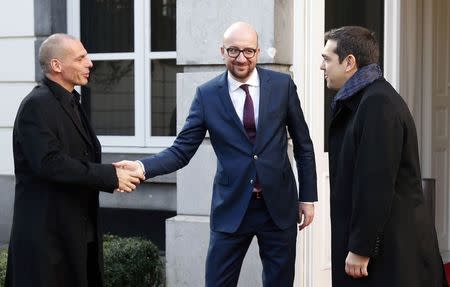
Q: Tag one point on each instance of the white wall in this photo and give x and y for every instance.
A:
(17, 18)
(17, 75)
(17, 58)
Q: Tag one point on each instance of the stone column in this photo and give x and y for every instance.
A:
(200, 27)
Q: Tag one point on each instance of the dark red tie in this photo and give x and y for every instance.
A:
(249, 125)
(249, 115)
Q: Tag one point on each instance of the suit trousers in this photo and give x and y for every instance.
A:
(277, 249)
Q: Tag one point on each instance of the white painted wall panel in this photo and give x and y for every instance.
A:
(17, 18)
(200, 26)
(17, 60)
(187, 239)
(6, 153)
(11, 95)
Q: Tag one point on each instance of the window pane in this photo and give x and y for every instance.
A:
(109, 98)
(163, 97)
(107, 26)
(163, 25)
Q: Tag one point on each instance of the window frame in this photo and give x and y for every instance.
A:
(142, 58)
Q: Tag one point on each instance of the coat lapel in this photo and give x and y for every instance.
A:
(350, 104)
(92, 136)
(69, 110)
(64, 100)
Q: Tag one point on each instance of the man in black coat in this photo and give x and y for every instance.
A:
(56, 237)
(382, 233)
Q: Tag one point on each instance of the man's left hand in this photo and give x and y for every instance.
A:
(305, 214)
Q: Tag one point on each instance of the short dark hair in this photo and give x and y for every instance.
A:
(355, 40)
(53, 47)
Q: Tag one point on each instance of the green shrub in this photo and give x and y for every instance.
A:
(131, 262)
(3, 257)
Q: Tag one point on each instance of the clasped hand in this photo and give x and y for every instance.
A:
(130, 175)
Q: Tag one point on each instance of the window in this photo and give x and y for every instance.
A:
(131, 95)
(366, 13)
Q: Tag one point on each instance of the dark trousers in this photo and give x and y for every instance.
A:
(276, 248)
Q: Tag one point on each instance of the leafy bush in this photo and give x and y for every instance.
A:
(131, 262)
(3, 257)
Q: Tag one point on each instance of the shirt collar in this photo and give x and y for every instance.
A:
(253, 81)
(60, 92)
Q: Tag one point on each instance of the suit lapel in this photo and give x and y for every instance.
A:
(224, 96)
(265, 91)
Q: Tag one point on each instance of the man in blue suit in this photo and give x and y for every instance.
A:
(246, 111)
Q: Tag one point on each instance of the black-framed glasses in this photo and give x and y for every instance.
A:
(234, 52)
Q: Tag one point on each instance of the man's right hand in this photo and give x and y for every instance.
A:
(356, 265)
(133, 166)
(128, 177)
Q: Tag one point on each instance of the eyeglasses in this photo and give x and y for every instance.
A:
(234, 52)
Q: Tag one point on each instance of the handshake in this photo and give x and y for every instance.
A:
(129, 174)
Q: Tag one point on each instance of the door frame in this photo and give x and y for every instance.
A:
(313, 248)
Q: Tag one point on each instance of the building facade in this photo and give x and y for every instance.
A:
(149, 56)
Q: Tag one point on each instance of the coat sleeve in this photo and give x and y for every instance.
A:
(303, 147)
(37, 138)
(379, 140)
(186, 143)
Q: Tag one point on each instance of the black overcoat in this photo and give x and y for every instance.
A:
(377, 206)
(58, 177)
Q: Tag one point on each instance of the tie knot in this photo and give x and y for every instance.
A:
(245, 88)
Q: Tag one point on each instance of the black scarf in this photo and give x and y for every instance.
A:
(361, 79)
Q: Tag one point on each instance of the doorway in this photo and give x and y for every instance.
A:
(437, 119)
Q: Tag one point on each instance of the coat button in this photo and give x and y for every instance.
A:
(255, 157)
(251, 181)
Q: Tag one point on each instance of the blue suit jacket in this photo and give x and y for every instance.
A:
(237, 166)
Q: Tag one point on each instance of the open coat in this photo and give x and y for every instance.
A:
(58, 177)
(377, 205)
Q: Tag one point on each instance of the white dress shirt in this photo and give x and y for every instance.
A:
(237, 94)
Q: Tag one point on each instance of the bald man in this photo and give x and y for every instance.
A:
(56, 237)
(246, 111)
